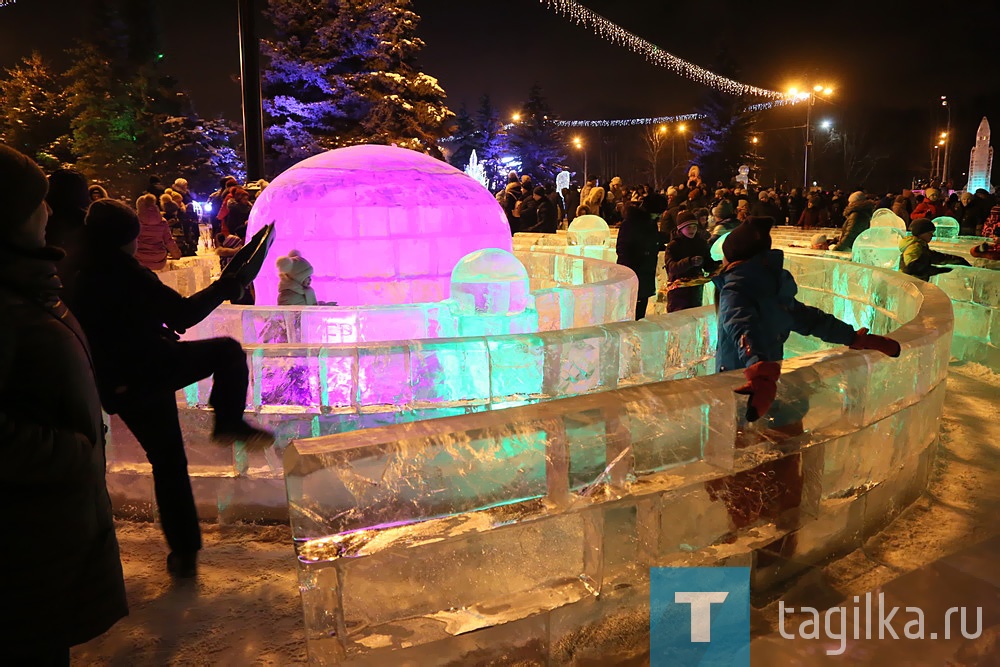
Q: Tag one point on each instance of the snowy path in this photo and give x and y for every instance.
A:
(244, 609)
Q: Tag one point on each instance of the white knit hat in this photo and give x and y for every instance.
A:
(294, 265)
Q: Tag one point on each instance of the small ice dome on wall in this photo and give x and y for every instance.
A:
(380, 224)
(490, 281)
(588, 230)
(877, 246)
(884, 217)
(946, 227)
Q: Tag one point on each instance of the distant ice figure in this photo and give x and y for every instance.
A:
(476, 170)
(945, 227)
(981, 160)
(381, 225)
(588, 230)
(884, 217)
(562, 181)
(877, 246)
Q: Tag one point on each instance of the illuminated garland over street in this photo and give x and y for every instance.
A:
(627, 122)
(605, 29)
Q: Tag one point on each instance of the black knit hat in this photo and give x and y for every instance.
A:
(685, 217)
(750, 238)
(111, 224)
(922, 226)
(22, 187)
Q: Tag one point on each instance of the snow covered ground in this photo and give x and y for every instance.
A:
(244, 608)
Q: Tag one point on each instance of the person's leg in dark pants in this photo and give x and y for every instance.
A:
(640, 308)
(153, 421)
(224, 360)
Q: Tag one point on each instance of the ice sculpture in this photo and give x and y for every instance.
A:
(380, 224)
(476, 170)
(884, 217)
(981, 160)
(588, 230)
(878, 246)
(716, 250)
(491, 291)
(946, 227)
(562, 182)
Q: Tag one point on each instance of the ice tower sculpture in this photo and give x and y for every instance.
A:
(981, 160)
(380, 224)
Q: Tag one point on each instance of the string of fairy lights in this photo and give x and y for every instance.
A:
(605, 29)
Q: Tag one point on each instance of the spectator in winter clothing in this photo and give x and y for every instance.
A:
(858, 218)
(68, 199)
(238, 212)
(156, 241)
(814, 214)
(931, 207)
(155, 187)
(546, 218)
(294, 279)
(132, 321)
(687, 257)
(916, 257)
(765, 207)
(638, 248)
(215, 203)
(725, 221)
(901, 208)
(97, 192)
(987, 250)
(52, 439)
(797, 205)
(758, 310)
(595, 201)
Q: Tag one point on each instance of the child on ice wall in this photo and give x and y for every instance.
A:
(758, 310)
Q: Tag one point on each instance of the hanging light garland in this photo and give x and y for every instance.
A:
(627, 122)
(605, 29)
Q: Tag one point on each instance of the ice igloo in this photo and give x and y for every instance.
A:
(380, 224)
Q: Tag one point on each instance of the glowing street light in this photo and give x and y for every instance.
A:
(578, 143)
(826, 124)
(516, 118)
(755, 140)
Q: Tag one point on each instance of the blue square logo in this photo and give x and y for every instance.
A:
(699, 616)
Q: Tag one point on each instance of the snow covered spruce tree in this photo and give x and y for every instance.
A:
(492, 145)
(537, 140)
(464, 140)
(343, 72)
(33, 114)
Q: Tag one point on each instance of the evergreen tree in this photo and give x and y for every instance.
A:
(492, 144)
(117, 97)
(464, 140)
(537, 140)
(722, 142)
(33, 114)
(342, 72)
(202, 151)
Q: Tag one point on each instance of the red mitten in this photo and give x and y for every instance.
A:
(866, 341)
(761, 386)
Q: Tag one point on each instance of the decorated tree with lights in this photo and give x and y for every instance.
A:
(493, 142)
(464, 140)
(537, 140)
(343, 72)
(33, 114)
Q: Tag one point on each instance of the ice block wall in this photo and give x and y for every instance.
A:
(975, 296)
(535, 526)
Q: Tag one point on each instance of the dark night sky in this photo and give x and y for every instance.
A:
(873, 53)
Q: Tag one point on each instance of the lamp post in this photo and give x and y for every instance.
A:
(947, 146)
(253, 115)
(822, 92)
(580, 145)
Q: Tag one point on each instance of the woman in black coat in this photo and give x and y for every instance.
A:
(638, 248)
(63, 581)
(687, 257)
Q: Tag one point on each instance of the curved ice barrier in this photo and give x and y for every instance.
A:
(536, 526)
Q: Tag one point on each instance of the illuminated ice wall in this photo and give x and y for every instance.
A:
(380, 224)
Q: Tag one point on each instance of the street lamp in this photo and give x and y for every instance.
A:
(820, 91)
(578, 142)
(516, 118)
(947, 148)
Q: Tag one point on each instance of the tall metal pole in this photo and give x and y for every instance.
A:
(805, 169)
(253, 116)
(947, 145)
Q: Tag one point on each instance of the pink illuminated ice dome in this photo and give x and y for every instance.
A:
(379, 224)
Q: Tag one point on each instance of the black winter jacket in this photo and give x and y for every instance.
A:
(62, 573)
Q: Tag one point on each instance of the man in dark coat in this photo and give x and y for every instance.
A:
(858, 218)
(544, 212)
(638, 248)
(133, 321)
(63, 581)
(68, 199)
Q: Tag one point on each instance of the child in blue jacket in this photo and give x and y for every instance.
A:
(757, 310)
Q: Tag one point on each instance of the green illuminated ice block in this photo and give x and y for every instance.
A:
(878, 246)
